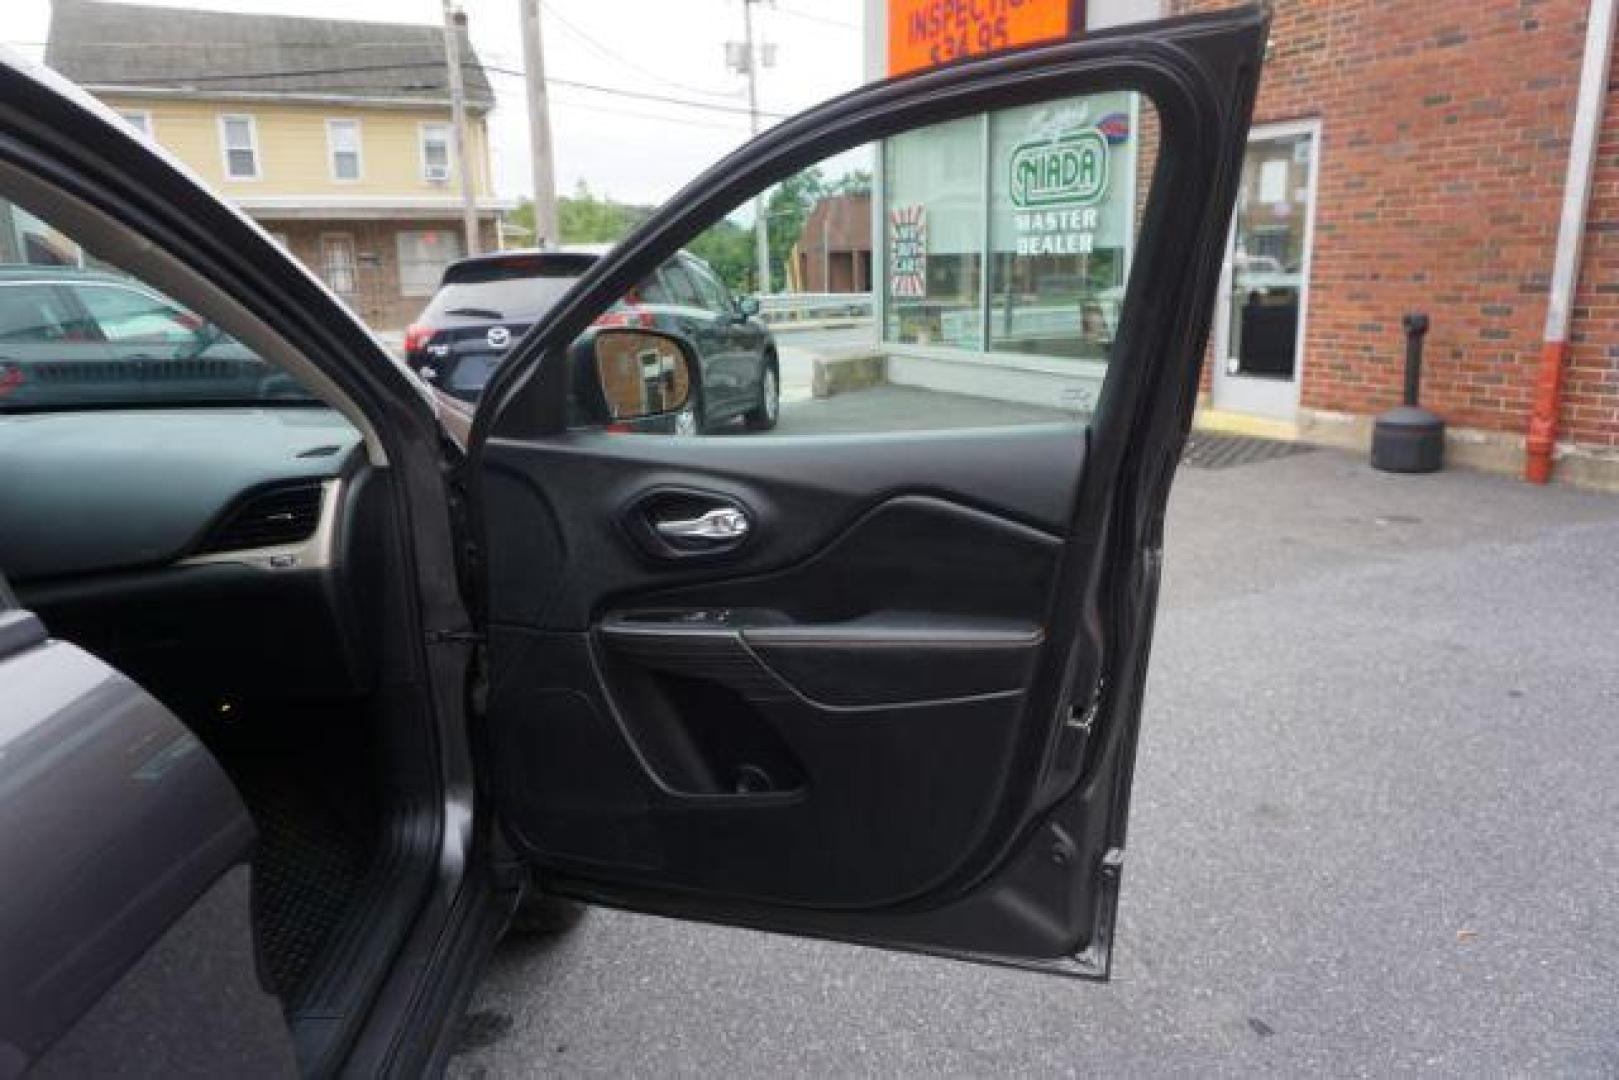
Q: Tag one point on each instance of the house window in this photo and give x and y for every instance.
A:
(435, 152)
(343, 142)
(338, 263)
(139, 119)
(240, 137)
(423, 255)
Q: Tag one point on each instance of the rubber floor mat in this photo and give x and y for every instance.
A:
(1205, 450)
(306, 871)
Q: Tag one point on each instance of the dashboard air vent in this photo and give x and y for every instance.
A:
(284, 515)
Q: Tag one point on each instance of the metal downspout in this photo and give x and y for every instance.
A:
(1582, 151)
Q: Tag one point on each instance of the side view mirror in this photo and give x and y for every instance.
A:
(641, 374)
(748, 306)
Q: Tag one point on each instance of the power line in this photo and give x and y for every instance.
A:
(289, 73)
(212, 45)
(605, 51)
(711, 125)
(639, 95)
(810, 16)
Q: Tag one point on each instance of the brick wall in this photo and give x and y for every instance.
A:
(1444, 144)
(1591, 390)
(376, 298)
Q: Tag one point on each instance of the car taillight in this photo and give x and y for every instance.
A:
(11, 377)
(630, 317)
(417, 335)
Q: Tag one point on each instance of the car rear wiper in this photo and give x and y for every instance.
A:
(476, 312)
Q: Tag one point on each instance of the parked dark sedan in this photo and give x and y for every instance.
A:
(488, 302)
(76, 336)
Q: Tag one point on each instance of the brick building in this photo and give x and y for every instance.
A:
(1442, 143)
(833, 253)
(1407, 156)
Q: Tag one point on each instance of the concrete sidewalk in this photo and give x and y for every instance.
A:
(1376, 829)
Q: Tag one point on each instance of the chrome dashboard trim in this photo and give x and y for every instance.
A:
(318, 552)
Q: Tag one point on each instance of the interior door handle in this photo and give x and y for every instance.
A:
(724, 525)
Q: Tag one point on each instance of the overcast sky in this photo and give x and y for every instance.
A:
(633, 149)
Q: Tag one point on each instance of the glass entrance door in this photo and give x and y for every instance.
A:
(1260, 324)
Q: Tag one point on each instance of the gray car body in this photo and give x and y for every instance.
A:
(123, 841)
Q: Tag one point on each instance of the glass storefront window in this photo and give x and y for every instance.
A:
(1050, 217)
(1062, 189)
(935, 235)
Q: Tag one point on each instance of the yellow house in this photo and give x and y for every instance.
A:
(335, 135)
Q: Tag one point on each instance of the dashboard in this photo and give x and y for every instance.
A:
(205, 552)
(93, 491)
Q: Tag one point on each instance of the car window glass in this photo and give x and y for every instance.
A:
(32, 312)
(512, 298)
(713, 293)
(652, 290)
(79, 332)
(682, 289)
(127, 315)
(964, 274)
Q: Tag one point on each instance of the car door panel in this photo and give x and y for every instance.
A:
(900, 708)
(681, 706)
(562, 508)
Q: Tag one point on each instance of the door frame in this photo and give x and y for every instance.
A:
(1222, 302)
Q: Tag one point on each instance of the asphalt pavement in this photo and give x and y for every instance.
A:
(1376, 829)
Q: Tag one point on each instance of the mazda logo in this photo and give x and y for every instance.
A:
(499, 337)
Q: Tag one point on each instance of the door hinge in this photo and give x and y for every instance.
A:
(455, 637)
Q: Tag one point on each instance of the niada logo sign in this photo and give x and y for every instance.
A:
(1067, 171)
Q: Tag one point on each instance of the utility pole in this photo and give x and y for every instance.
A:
(454, 22)
(546, 231)
(747, 60)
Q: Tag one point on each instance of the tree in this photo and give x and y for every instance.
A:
(854, 182)
(728, 249)
(585, 218)
(786, 210)
(727, 246)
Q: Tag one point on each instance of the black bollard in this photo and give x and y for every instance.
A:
(1410, 439)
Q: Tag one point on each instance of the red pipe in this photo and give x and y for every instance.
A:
(1542, 441)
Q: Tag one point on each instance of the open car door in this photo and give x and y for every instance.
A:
(859, 682)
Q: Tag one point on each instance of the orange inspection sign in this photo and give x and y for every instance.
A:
(927, 33)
